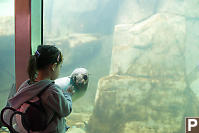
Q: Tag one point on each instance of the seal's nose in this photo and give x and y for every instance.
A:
(85, 77)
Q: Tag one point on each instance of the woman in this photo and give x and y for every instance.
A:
(43, 69)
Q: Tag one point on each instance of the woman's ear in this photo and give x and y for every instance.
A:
(54, 66)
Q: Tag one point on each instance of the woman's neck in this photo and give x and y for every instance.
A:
(42, 76)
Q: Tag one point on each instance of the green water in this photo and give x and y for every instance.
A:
(142, 56)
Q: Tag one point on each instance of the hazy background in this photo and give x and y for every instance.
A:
(142, 56)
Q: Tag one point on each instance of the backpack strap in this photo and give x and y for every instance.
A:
(11, 120)
(9, 125)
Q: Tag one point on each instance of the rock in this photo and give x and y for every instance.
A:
(192, 54)
(139, 105)
(149, 44)
(172, 7)
(75, 130)
(148, 89)
(191, 44)
(191, 8)
(78, 120)
(135, 11)
(186, 8)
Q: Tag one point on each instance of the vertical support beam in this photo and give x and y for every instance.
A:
(22, 39)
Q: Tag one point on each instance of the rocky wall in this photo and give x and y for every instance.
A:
(153, 78)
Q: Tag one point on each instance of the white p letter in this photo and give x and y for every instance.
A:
(192, 123)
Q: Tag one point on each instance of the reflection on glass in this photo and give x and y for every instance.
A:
(142, 56)
(7, 66)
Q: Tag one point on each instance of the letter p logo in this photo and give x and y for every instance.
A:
(192, 125)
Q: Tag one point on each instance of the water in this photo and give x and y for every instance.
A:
(142, 57)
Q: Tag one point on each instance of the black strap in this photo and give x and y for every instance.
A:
(11, 129)
(2, 119)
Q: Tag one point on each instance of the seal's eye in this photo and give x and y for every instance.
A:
(74, 79)
(85, 77)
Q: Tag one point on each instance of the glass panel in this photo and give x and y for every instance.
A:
(7, 49)
(142, 56)
(36, 19)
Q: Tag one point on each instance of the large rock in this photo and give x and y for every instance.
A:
(148, 89)
(150, 47)
(140, 105)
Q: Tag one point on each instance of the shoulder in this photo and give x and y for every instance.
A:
(54, 87)
(25, 83)
(53, 90)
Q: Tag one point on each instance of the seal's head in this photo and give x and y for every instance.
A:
(80, 77)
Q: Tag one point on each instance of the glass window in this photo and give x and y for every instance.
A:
(142, 56)
(7, 49)
(36, 24)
